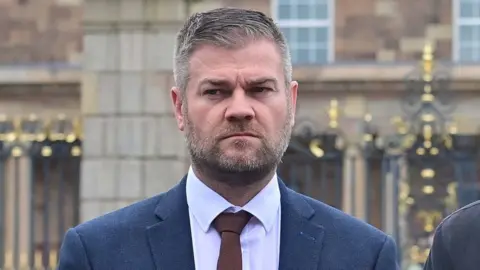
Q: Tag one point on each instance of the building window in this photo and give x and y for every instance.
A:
(467, 32)
(307, 25)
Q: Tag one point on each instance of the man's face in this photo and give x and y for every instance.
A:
(237, 113)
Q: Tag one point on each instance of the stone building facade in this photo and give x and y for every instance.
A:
(128, 45)
(110, 63)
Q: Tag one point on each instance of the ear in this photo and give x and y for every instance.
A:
(293, 96)
(177, 101)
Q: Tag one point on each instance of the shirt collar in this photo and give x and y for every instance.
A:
(264, 206)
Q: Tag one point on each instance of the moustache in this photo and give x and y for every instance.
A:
(239, 130)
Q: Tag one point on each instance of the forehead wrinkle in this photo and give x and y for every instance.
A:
(207, 61)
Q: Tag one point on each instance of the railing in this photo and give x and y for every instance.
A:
(39, 189)
(318, 174)
(405, 194)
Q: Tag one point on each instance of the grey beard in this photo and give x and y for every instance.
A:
(207, 157)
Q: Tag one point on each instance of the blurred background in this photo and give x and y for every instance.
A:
(387, 125)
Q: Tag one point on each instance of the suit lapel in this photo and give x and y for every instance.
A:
(300, 239)
(170, 239)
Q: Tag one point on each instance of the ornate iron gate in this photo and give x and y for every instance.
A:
(39, 189)
(428, 170)
(314, 167)
(419, 187)
(437, 183)
(376, 167)
(313, 163)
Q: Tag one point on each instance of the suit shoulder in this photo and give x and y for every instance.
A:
(337, 221)
(463, 220)
(140, 213)
(367, 247)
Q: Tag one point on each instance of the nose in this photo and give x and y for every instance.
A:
(240, 107)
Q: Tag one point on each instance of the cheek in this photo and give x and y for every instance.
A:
(273, 119)
(280, 112)
(202, 119)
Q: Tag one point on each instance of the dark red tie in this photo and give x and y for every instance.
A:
(230, 226)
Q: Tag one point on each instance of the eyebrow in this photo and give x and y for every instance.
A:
(263, 80)
(215, 82)
(250, 82)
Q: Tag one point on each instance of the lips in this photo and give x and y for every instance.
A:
(240, 134)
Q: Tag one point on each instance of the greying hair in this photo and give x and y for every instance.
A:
(229, 28)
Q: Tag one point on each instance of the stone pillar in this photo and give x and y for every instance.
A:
(403, 239)
(132, 148)
(17, 226)
(354, 184)
(390, 196)
(361, 200)
(348, 198)
(465, 168)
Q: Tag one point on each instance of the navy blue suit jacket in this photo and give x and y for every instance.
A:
(155, 234)
(456, 244)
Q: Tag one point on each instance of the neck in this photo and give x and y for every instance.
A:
(236, 188)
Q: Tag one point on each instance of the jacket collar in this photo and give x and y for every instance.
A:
(171, 241)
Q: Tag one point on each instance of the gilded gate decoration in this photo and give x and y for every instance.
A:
(39, 186)
(414, 177)
(434, 169)
(313, 162)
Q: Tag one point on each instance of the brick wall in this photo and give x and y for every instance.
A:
(391, 30)
(366, 30)
(260, 5)
(40, 31)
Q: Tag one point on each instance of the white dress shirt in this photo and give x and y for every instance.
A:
(260, 239)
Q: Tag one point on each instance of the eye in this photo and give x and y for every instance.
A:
(212, 92)
(261, 90)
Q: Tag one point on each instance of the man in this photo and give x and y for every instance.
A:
(235, 101)
(456, 243)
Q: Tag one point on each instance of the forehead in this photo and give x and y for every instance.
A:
(256, 59)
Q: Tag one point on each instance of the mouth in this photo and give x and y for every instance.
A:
(240, 134)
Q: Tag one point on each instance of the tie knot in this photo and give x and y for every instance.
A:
(231, 222)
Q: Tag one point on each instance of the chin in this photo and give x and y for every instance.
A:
(245, 154)
(239, 158)
(238, 168)
(242, 147)
(242, 156)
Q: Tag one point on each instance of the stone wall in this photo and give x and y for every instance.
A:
(378, 30)
(391, 30)
(383, 30)
(132, 146)
(43, 100)
(40, 31)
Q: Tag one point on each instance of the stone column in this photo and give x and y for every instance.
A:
(361, 199)
(354, 184)
(349, 184)
(17, 225)
(132, 148)
(390, 196)
(403, 239)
